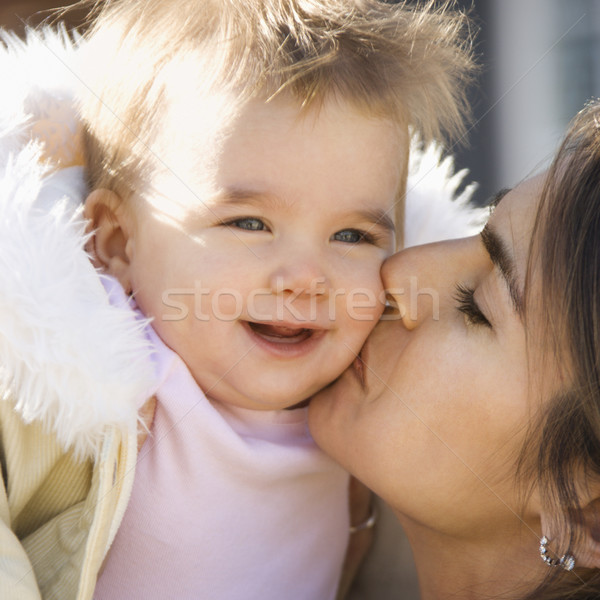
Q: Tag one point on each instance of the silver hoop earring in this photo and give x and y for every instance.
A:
(566, 561)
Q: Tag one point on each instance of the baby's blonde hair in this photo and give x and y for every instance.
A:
(406, 62)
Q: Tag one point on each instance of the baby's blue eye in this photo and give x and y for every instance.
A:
(350, 236)
(249, 224)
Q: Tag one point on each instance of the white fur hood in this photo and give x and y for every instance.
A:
(68, 357)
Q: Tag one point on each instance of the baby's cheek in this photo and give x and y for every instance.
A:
(366, 299)
(363, 306)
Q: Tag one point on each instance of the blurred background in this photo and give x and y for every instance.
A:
(541, 63)
(13, 13)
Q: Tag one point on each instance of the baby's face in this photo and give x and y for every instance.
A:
(258, 257)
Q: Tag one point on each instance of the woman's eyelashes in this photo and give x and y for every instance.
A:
(465, 297)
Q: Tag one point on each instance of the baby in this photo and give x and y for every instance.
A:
(248, 162)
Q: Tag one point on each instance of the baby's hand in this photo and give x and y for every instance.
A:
(58, 131)
(145, 419)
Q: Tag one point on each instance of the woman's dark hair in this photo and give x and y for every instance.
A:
(565, 256)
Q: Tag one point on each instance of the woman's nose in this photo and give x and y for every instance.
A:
(420, 280)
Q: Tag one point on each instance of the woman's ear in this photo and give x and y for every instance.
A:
(586, 540)
(110, 245)
(588, 548)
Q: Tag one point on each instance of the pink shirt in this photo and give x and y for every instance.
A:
(227, 504)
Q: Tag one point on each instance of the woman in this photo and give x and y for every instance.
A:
(476, 414)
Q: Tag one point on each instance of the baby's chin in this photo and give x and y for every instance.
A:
(272, 402)
(278, 387)
(302, 404)
(268, 401)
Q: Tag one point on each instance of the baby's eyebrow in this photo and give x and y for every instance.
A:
(233, 196)
(378, 217)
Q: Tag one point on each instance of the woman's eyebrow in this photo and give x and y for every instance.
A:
(502, 258)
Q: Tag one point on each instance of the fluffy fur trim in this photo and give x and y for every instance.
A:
(69, 357)
(434, 209)
(39, 85)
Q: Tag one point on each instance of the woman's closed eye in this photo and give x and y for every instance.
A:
(465, 297)
(353, 236)
(247, 224)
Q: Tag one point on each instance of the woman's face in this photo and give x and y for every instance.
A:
(436, 421)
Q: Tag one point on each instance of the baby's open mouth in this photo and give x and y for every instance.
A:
(281, 333)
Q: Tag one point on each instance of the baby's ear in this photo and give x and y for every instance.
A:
(111, 243)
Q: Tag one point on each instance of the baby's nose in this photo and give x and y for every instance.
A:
(299, 274)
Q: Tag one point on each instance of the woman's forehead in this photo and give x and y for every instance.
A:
(513, 220)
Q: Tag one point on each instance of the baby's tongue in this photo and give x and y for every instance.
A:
(278, 331)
